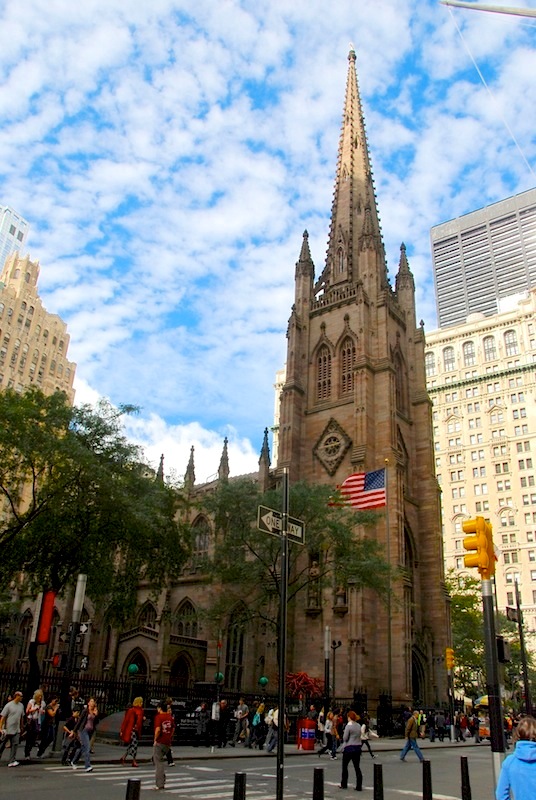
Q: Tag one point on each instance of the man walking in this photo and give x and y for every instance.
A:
(11, 726)
(412, 729)
(164, 728)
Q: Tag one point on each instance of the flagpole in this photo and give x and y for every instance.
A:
(388, 553)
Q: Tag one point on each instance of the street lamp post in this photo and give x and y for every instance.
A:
(335, 644)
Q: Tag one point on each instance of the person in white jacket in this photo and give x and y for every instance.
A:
(366, 733)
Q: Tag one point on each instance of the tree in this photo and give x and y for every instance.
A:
(246, 560)
(467, 633)
(78, 498)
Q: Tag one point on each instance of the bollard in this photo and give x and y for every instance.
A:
(318, 783)
(133, 789)
(426, 780)
(378, 782)
(466, 784)
(239, 786)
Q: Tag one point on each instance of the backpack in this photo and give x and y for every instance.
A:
(256, 719)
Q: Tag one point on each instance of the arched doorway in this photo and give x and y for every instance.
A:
(182, 673)
(418, 680)
(136, 658)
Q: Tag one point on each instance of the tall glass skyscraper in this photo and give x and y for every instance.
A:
(483, 257)
(13, 233)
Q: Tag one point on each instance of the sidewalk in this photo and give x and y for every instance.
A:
(107, 752)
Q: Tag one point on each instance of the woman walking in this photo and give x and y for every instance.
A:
(330, 729)
(518, 773)
(85, 727)
(366, 733)
(351, 739)
(131, 730)
(34, 712)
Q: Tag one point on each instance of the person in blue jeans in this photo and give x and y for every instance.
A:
(412, 730)
(85, 727)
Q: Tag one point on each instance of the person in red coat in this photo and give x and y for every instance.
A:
(131, 729)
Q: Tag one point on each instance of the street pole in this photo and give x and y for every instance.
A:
(451, 702)
(78, 605)
(526, 685)
(334, 646)
(492, 679)
(327, 645)
(282, 638)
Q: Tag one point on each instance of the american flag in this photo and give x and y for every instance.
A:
(364, 490)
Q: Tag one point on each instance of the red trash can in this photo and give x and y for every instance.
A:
(308, 734)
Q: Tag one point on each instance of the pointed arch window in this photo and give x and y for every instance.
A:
(234, 656)
(347, 366)
(25, 632)
(323, 381)
(200, 540)
(429, 364)
(185, 620)
(147, 616)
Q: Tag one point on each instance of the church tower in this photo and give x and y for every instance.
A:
(355, 400)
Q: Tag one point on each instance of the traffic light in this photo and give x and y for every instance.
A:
(482, 543)
(449, 657)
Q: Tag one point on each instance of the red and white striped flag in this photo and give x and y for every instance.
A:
(364, 490)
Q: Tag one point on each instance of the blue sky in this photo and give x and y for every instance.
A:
(169, 155)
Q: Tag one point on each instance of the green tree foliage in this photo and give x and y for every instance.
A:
(247, 561)
(468, 642)
(78, 498)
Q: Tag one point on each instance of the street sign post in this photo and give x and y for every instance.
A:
(271, 521)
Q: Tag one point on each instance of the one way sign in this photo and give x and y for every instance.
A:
(271, 521)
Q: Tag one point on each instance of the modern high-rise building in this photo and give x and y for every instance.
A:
(13, 233)
(33, 343)
(481, 378)
(483, 257)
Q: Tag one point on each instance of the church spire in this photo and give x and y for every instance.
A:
(223, 470)
(189, 477)
(160, 472)
(355, 222)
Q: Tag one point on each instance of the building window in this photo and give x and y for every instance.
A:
(510, 343)
(234, 661)
(490, 350)
(323, 382)
(449, 362)
(429, 362)
(147, 616)
(347, 366)
(185, 622)
(469, 354)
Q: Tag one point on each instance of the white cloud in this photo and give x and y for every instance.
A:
(169, 157)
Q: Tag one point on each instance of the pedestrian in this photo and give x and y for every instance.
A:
(330, 730)
(35, 710)
(278, 730)
(432, 725)
(164, 728)
(270, 732)
(130, 731)
(223, 723)
(77, 704)
(440, 722)
(169, 754)
(366, 733)
(11, 727)
(241, 715)
(351, 743)
(411, 732)
(48, 726)
(71, 742)
(84, 729)
(518, 774)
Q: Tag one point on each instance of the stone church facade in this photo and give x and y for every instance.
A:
(353, 399)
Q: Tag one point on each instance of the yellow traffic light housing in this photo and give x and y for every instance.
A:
(449, 657)
(482, 543)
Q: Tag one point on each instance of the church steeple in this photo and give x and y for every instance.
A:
(160, 472)
(223, 470)
(189, 477)
(355, 222)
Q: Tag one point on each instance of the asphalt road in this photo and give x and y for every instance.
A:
(213, 778)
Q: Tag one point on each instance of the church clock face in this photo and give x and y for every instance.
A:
(332, 446)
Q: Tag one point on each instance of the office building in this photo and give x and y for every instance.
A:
(13, 233)
(481, 377)
(483, 258)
